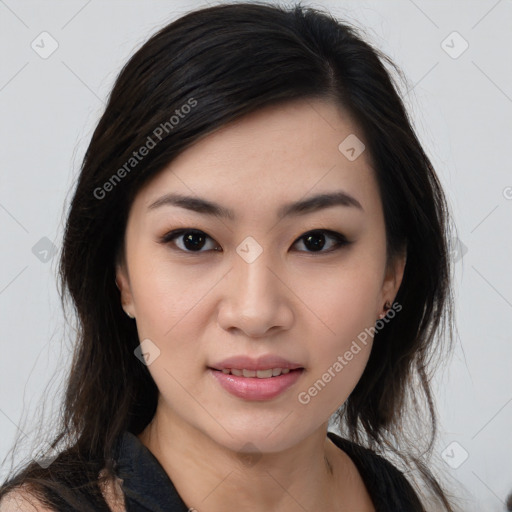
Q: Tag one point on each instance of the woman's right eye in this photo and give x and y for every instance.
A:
(188, 240)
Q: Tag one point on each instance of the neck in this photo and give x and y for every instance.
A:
(210, 478)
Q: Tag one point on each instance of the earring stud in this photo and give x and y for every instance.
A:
(387, 306)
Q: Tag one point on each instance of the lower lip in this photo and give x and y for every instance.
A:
(252, 388)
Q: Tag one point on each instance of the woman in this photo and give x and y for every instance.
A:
(257, 245)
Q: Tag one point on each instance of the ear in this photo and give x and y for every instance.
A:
(123, 283)
(393, 277)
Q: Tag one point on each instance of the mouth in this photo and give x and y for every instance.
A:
(256, 385)
(259, 374)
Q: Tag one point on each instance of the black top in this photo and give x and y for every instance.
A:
(148, 488)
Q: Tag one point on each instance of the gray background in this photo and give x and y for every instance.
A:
(461, 105)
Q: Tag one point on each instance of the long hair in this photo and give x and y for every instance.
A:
(193, 76)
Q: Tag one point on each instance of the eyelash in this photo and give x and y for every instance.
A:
(339, 239)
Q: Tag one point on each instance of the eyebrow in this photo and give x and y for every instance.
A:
(302, 207)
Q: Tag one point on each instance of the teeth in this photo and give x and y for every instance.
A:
(264, 374)
(260, 374)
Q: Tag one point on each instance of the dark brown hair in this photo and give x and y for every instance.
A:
(231, 60)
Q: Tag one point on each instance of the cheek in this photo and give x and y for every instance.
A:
(166, 296)
(338, 361)
(344, 296)
(345, 302)
(169, 314)
(168, 305)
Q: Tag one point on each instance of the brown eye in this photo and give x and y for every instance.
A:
(188, 240)
(194, 241)
(317, 240)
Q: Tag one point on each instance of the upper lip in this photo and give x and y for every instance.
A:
(260, 363)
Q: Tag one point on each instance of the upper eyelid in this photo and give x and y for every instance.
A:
(179, 231)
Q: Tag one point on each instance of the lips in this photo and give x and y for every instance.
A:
(263, 378)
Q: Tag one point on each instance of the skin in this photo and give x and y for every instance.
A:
(201, 307)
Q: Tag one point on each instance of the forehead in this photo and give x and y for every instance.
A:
(274, 155)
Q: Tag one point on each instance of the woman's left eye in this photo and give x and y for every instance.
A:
(193, 240)
(316, 239)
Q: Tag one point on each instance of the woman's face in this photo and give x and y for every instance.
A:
(245, 278)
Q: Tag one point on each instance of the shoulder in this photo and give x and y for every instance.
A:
(384, 480)
(22, 500)
(112, 492)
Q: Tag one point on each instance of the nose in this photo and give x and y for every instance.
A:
(257, 298)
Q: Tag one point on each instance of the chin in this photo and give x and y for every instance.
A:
(255, 435)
